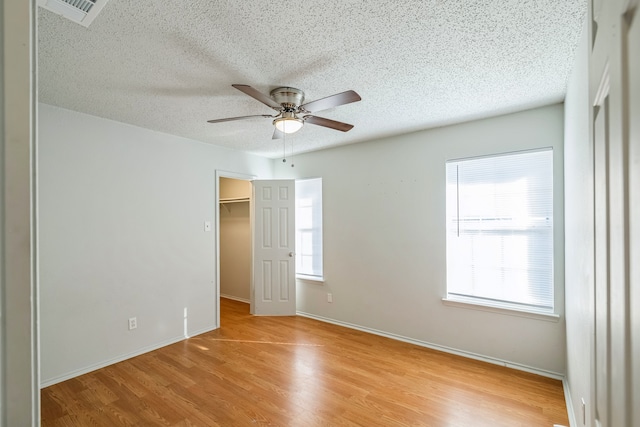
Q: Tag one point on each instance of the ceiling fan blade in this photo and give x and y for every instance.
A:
(328, 123)
(231, 119)
(277, 134)
(331, 101)
(256, 94)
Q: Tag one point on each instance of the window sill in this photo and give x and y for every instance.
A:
(316, 279)
(549, 317)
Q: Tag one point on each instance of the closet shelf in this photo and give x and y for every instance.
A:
(229, 200)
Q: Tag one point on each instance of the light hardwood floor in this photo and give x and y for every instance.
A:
(294, 371)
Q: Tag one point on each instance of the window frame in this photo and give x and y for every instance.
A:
(320, 234)
(512, 307)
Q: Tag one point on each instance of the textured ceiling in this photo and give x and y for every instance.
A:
(169, 65)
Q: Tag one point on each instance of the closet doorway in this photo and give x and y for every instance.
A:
(234, 238)
(274, 290)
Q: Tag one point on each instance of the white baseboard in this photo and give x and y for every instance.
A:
(105, 363)
(246, 301)
(201, 331)
(470, 355)
(570, 410)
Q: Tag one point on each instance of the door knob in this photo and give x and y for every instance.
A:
(291, 254)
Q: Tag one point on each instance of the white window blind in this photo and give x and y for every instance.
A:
(309, 228)
(500, 230)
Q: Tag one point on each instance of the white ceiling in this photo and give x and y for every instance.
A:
(169, 65)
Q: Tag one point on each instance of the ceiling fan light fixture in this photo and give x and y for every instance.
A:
(288, 124)
(288, 102)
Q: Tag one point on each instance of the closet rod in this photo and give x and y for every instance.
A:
(238, 200)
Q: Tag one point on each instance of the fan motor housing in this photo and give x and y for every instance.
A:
(288, 95)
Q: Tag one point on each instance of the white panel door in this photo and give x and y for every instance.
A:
(274, 262)
(614, 76)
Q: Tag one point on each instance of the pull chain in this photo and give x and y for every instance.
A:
(284, 147)
(292, 165)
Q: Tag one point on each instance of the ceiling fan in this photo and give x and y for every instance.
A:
(292, 113)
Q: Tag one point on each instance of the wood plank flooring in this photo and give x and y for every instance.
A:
(294, 371)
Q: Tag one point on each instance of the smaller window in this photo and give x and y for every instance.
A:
(309, 229)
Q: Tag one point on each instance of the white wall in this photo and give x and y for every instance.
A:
(122, 213)
(384, 238)
(579, 243)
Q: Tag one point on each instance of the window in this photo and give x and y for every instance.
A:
(309, 229)
(500, 230)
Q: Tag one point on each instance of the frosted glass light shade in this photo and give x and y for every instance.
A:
(288, 124)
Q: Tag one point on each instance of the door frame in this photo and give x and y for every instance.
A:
(232, 175)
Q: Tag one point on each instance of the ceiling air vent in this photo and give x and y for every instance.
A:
(81, 11)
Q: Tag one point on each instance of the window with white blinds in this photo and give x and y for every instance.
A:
(309, 228)
(500, 230)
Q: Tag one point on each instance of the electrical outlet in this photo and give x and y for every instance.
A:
(329, 297)
(133, 323)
